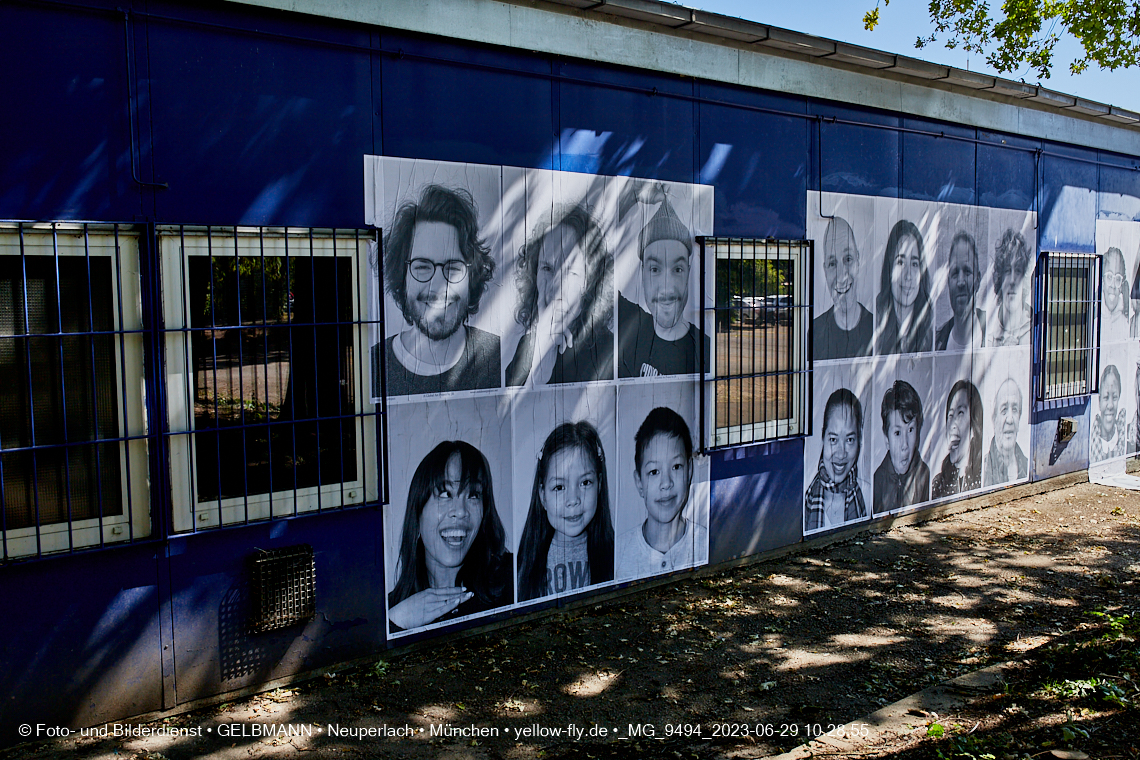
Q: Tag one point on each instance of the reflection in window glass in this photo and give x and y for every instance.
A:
(58, 397)
(272, 353)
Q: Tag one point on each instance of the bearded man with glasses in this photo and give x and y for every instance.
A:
(436, 268)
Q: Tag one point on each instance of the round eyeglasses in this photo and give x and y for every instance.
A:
(422, 270)
(1115, 279)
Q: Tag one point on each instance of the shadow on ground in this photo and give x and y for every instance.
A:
(755, 659)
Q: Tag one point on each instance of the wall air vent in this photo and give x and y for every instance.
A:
(283, 587)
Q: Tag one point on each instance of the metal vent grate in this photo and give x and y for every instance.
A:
(283, 587)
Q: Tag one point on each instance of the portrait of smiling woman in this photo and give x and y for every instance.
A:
(903, 317)
(453, 559)
(565, 278)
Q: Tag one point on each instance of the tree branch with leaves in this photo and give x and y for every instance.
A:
(1028, 31)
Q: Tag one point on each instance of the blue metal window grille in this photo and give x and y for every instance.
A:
(266, 334)
(1070, 296)
(73, 448)
(762, 357)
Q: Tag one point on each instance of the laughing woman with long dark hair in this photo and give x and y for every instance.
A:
(453, 559)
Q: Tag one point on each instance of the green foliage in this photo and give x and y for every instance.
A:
(1118, 625)
(935, 730)
(1027, 31)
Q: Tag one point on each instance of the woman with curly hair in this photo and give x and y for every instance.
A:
(565, 277)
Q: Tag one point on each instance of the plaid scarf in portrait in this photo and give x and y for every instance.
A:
(1100, 449)
(853, 504)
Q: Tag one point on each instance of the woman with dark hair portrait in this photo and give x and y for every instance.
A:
(565, 278)
(962, 468)
(903, 478)
(568, 540)
(453, 559)
(834, 497)
(903, 310)
(1011, 262)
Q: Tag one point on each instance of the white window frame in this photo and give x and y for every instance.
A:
(189, 514)
(799, 253)
(68, 240)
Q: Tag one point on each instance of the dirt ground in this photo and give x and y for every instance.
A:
(745, 663)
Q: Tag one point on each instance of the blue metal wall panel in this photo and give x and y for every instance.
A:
(856, 159)
(1119, 186)
(1068, 193)
(280, 143)
(759, 190)
(65, 130)
(83, 644)
(757, 499)
(475, 110)
(1005, 177)
(938, 168)
(625, 129)
(214, 651)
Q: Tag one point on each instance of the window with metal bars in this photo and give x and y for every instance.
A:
(1070, 328)
(73, 452)
(266, 391)
(762, 363)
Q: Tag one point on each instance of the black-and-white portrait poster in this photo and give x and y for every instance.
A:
(662, 511)
(442, 260)
(566, 467)
(1011, 252)
(1118, 243)
(1113, 430)
(958, 416)
(948, 290)
(848, 232)
(657, 263)
(1004, 382)
(447, 529)
(960, 257)
(837, 482)
(900, 432)
(507, 305)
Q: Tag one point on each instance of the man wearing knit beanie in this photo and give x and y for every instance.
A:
(662, 342)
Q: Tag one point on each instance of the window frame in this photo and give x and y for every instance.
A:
(798, 425)
(177, 245)
(120, 244)
(1090, 384)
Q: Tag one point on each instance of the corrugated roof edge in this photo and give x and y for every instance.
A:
(679, 17)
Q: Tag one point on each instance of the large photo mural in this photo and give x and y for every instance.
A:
(1114, 432)
(538, 337)
(922, 354)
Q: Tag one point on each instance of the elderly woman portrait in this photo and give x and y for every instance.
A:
(962, 468)
(1005, 461)
(565, 278)
(903, 478)
(834, 496)
(453, 559)
(1011, 262)
(903, 313)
